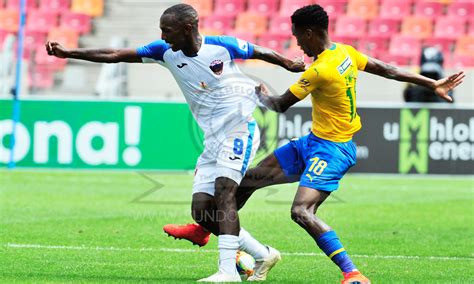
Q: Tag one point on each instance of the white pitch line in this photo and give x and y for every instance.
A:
(51, 247)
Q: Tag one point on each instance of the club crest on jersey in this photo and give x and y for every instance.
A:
(217, 66)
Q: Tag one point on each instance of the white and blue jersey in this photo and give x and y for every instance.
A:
(217, 92)
(222, 100)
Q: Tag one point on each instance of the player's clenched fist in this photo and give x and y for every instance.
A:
(55, 49)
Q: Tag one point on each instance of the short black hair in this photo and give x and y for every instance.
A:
(310, 16)
(184, 12)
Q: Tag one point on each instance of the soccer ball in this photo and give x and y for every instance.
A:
(245, 264)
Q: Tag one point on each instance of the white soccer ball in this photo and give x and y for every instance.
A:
(245, 264)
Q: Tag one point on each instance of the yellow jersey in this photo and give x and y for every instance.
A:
(331, 81)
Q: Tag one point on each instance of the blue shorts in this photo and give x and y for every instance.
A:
(315, 162)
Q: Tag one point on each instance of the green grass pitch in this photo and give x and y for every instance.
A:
(105, 227)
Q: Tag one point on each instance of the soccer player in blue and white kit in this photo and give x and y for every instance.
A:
(222, 101)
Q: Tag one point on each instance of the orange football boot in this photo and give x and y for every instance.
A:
(191, 232)
(354, 277)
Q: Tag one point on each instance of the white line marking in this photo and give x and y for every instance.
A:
(51, 247)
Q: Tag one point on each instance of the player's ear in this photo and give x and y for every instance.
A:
(187, 28)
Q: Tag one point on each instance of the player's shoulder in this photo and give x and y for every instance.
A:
(156, 49)
(236, 47)
(316, 69)
(222, 40)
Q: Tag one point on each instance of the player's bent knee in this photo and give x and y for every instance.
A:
(299, 214)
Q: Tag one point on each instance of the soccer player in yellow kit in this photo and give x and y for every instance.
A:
(320, 159)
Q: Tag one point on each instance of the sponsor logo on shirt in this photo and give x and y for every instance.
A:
(344, 65)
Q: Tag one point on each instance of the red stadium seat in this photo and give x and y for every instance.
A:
(221, 23)
(75, 21)
(461, 9)
(92, 8)
(460, 61)
(55, 5)
(449, 27)
(409, 47)
(288, 7)
(263, 7)
(384, 27)
(332, 25)
(3, 36)
(252, 22)
(390, 9)
(470, 27)
(374, 44)
(430, 9)
(465, 46)
(280, 25)
(350, 27)
(229, 7)
(398, 60)
(206, 31)
(9, 20)
(41, 20)
(203, 7)
(344, 39)
(418, 26)
(15, 4)
(243, 35)
(443, 44)
(334, 8)
(277, 42)
(41, 77)
(365, 9)
(34, 38)
(53, 62)
(67, 37)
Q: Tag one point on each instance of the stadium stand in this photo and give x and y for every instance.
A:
(263, 7)
(365, 9)
(418, 26)
(430, 9)
(60, 6)
(395, 9)
(391, 30)
(251, 21)
(94, 8)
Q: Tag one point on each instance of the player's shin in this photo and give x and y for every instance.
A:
(332, 247)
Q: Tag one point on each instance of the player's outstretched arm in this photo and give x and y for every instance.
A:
(271, 56)
(275, 103)
(102, 55)
(441, 87)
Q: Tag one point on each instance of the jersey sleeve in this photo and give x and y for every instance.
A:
(361, 59)
(154, 50)
(306, 83)
(237, 48)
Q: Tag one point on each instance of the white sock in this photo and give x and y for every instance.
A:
(251, 246)
(228, 246)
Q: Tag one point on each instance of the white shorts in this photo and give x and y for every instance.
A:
(226, 154)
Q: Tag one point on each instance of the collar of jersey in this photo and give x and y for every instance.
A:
(333, 47)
